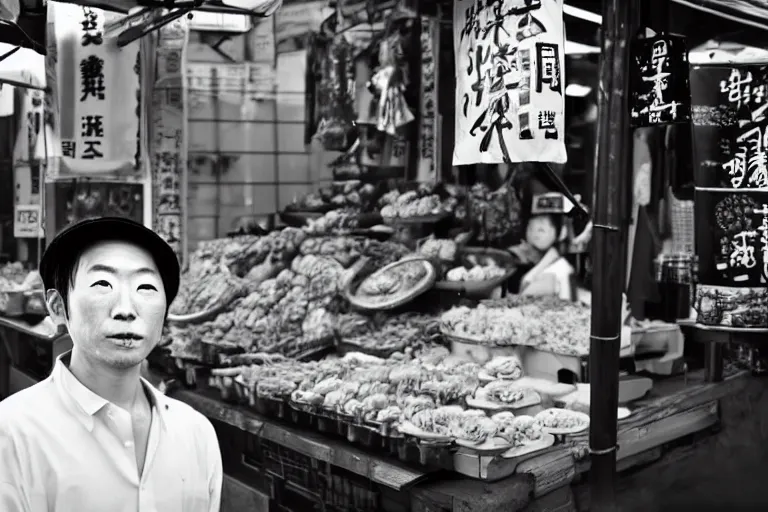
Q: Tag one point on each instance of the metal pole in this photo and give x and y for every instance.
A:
(613, 176)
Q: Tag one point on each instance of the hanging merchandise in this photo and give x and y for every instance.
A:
(658, 81)
(168, 142)
(331, 90)
(509, 81)
(94, 94)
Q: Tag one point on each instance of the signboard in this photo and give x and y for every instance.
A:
(723, 99)
(428, 128)
(658, 78)
(510, 81)
(168, 142)
(27, 221)
(732, 238)
(95, 93)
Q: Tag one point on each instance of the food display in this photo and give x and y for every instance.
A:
(562, 421)
(13, 277)
(443, 250)
(504, 395)
(530, 322)
(206, 291)
(335, 221)
(476, 273)
(414, 204)
(394, 284)
(383, 334)
(502, 367)
(344, 194)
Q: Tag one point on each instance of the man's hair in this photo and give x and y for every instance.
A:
(65, 270)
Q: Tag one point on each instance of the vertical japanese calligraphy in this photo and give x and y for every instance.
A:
(732, 238)
(168, 148)
(430, 30)
(730, 147)
(509, 81)
(659, 85)
(94, 102)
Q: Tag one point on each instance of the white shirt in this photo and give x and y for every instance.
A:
(65, 449)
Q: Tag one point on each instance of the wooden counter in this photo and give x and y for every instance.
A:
(676, 410)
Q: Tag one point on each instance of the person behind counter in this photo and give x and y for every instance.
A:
(95, 436)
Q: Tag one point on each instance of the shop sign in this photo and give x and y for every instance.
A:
(95, 93)
(732, 238)
(728, 110)
(168, 146)
(428, 105)
(26, 221)
(509, 81)
(658, 80)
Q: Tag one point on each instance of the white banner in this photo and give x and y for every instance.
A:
(27, 221)
(95, 94)
(510, 81)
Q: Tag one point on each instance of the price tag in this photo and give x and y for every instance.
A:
(26, 221)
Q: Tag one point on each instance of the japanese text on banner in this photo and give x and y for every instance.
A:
(509, 81)
(97, 93)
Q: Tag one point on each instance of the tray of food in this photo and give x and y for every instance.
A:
(503, 395)
(422, 204)
(394, 285)
(502, 368)
(480, 271)
(524, 434)
(562, 421)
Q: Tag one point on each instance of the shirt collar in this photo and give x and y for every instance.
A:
(87, 403)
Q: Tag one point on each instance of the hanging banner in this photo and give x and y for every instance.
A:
(658, 79)
(95, 94)
(27, 220)
(729, 150)
(168, 141)
(509, 81)
(428, 126)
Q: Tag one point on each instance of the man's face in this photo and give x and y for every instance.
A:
(117, 305)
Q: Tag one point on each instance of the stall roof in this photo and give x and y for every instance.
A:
(748, 12)
(23, 68)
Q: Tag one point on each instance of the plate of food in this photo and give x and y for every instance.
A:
(430, 424)
(523, 433)
(562, 421)
(393, 285)
(501, 395)
(501, 368)
(474, 430)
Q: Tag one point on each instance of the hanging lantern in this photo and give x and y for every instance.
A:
(658, 81)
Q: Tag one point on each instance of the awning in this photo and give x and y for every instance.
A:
(748, 12)
(23, 68)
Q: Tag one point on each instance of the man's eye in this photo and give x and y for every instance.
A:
(100, 283)
(147, 287)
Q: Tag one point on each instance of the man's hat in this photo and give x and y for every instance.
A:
(85, 233)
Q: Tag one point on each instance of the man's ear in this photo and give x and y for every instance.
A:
(55, 305)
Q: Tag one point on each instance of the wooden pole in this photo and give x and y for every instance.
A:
(613, 176)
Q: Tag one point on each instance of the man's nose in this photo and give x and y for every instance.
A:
(124, 308)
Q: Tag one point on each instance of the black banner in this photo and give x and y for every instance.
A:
(722, 98)
(732, 238)
(659, 82)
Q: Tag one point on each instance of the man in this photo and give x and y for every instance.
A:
(95, 436)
